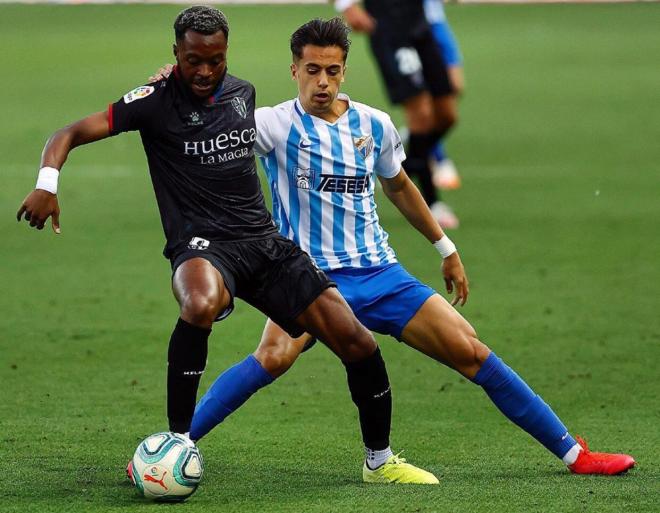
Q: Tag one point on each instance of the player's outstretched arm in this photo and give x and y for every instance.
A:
(42, 202)
(401, 191)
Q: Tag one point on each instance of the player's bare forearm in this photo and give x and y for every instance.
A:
(405, 196)
(92, 128)
(41, 203)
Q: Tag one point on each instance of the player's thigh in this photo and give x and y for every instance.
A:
(284, 284)
(200, 290)
(330, 319)
(300, 298)
(440, 332)
(419, 113)
(278, 350)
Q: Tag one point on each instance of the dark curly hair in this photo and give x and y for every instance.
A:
(202, 19)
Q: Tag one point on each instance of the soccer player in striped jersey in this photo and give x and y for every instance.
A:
(322, 152)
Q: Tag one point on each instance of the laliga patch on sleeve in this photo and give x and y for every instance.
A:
(138, 93)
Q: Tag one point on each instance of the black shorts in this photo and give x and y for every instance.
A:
(409, 61)
(272, 274)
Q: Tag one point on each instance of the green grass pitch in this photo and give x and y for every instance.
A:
(559, 149)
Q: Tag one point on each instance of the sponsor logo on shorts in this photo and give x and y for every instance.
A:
(344, 184)
(138, 93)
(198, 243)
(381, 394)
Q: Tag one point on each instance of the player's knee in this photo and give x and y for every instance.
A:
(446, 120)
(422, 124)
(199, 309)
(473, 356)
(276, 360)
(359, 344)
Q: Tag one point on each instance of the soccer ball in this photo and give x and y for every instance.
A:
(167, 467)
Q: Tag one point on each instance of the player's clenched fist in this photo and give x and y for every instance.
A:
(37, 207)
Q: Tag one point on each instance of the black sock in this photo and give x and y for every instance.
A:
(370, 390)
(186, 359)
(417, 163)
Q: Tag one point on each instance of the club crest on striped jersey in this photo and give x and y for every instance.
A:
(364, 144)
(304, 177)
(138, 93)
(239, 106)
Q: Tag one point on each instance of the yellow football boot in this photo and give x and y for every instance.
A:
(396, 470)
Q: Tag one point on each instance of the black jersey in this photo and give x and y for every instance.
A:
(200, 158)
(403, 14)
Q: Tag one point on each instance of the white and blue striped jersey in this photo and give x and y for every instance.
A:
(322, 178)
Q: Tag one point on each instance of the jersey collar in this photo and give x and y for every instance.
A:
(213, 98)
(341, 96)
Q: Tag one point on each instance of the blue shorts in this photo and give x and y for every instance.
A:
(447, 43)
(384, 298)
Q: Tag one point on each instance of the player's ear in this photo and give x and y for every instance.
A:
(174, 49)
(294, 70)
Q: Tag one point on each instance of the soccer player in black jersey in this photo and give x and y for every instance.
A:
(415, 76)
(198, 130)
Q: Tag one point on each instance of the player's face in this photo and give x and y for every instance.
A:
(319, 73)
(202, 60)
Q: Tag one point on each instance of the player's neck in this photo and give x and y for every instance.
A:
(334, 112)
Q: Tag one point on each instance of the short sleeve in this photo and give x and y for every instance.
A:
(131, 110)
(265, 119)
(391, 153)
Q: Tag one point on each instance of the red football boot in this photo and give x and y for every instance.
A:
(600, 462)
(129, 472)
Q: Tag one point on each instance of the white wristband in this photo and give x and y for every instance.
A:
(342, 5)
(47, 179)
(445, 246)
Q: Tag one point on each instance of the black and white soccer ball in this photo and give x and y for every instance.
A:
(167, 467)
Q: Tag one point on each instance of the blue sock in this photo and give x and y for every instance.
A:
(227, 393)
(438, 152)
(522, 406)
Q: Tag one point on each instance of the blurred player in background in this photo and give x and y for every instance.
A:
(322, 153)
(445, 174)
(415, 76)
